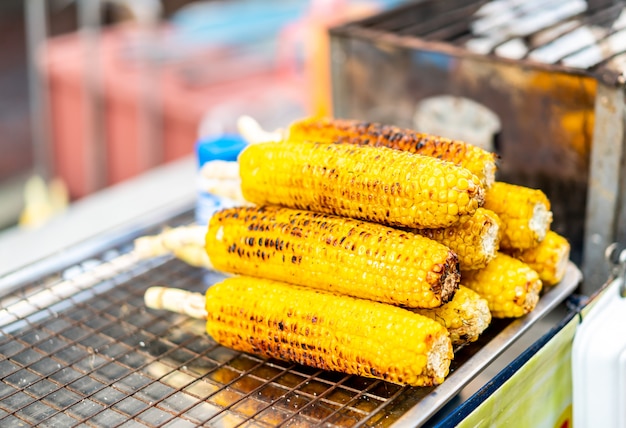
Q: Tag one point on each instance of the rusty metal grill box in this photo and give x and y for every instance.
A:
(551, 73)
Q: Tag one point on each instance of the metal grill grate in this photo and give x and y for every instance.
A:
(79, 348)
(572, 33)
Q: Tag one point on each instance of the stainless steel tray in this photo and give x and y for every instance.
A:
(78, 347)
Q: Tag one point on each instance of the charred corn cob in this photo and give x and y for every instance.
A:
(549, 259)
(478, 161)
(369, 183)
(342, 255)
(328, 331)
(466, 316)
(510, 286)
(475, 241)
(524, 214)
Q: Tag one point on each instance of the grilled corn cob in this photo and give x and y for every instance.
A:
(328, 331)
(549, 259)
(524, 214)
(466, 316)
(478, 161)
(475, 241)
(342, 255)
(510, 286)
(369, 183)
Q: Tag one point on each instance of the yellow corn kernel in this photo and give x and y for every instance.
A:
(466, 316)
(524, 214)
(549, 258)
(337, 254)
(368, 183)
(510, 286)
(478, 161)
(475, 241)
(328, 331)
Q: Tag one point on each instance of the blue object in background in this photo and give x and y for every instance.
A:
(225, 147)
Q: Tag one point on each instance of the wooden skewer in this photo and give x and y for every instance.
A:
(176, 300)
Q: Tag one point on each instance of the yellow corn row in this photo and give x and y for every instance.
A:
(337, 254)
(368, 183)
(524, 214)
(510, 286)
(478, 161)
(549, 259)
(466, 316)
(475, 241)
(328, 331)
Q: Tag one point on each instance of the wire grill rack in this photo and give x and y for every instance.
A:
(78, 347)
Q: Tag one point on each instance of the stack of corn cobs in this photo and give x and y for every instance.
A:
(374, 250)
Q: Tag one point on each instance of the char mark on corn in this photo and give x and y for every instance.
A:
(368, 183)
(342, 255)
(328, 331)
(477, 160)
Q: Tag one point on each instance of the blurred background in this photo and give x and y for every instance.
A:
(93, 93)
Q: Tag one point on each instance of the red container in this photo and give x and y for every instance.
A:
(182, 91)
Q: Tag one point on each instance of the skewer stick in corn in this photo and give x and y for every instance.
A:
(326, 331)
(478, 161)
(549, 258)
(475, 241)
(337, 254)
(510, 286)
(222, 179)
(184, 242)
(368, 183)
(524, 214)
(466, 316)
